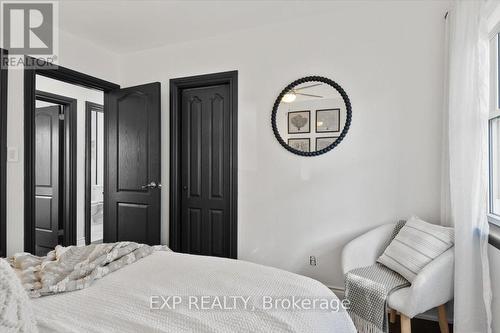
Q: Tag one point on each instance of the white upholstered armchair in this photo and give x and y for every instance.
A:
(432, 287)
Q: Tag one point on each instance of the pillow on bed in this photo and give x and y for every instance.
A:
(416, 245)
(16, 313)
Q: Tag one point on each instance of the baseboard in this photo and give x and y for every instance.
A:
(431, 315)
(338, 291)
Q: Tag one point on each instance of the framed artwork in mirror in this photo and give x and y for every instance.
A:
(299, 122)
(323, 142)
(311, 101)
(301, 144)
(328, 120)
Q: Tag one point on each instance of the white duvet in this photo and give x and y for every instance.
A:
(209, 294)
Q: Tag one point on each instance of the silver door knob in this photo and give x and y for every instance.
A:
(150, 185)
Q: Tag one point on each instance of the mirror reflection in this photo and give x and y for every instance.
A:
(311, 116)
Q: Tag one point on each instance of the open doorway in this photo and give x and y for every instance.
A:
(50, 228)
(94, 172)
(60, 162)
(54, 195)
(129, 190)
(69, 90)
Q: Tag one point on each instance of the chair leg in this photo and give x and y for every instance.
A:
(443, 320)
(405, 324)
(392, 316)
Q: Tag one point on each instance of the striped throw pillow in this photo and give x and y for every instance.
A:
(416, 245)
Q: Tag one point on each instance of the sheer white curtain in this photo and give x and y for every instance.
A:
(465, 168)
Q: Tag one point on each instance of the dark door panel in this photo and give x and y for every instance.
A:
(47, 166)
(133, 167)
(205, 170)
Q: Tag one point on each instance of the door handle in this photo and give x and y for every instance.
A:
(151, 185)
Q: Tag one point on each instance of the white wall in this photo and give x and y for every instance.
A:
(388, 56)
(82, 95)
(494, 255)
(76, 54)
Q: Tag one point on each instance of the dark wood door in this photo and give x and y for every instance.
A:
(47, 166)
(133, 165)
(205, 170)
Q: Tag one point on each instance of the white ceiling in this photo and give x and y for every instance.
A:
(124, 26)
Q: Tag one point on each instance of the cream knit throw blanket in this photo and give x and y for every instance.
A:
(16, 314)
(75, 267)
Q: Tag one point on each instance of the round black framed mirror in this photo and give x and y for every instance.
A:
(311, 116)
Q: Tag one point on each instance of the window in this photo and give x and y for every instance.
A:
(495, 166)
(494, 133)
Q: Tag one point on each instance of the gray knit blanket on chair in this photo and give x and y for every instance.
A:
(367, 289)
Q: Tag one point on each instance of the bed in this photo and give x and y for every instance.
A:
(136, 299)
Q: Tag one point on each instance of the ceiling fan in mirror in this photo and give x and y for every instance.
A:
(311, 116)
(290, 96)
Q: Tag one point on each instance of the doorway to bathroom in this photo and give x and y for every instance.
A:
(94, 172)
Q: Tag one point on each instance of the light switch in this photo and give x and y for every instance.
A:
(12, 154)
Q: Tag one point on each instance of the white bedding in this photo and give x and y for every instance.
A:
(120, 302)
